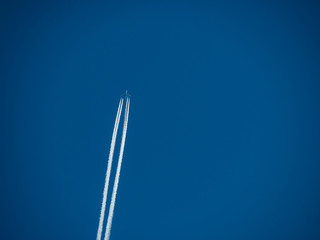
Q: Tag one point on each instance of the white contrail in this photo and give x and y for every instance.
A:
(105, 191)
(116, 181)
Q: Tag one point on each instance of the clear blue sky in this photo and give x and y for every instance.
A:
(223, 136)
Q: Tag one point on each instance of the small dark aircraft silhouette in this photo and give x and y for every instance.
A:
(126, 94)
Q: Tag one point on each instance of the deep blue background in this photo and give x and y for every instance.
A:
(223, 136)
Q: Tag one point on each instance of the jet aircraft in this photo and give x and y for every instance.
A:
(126, 94)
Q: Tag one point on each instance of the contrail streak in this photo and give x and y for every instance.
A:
(116, 181)
(105, 191)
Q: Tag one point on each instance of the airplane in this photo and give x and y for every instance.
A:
(126, 94)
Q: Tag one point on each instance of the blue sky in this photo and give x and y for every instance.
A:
(223, 135)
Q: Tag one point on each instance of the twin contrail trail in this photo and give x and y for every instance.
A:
(116, 181)
(106, 185)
